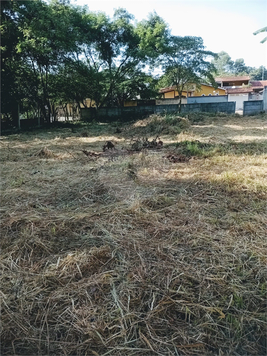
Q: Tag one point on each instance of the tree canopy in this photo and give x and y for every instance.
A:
(56, 53)
(186, 62)
(225, 66)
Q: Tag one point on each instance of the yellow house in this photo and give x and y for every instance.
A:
(208, 90)
(89, 103)
(205, 90)
(130, 103)
(172, 93)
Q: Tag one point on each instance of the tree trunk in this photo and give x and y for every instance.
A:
(18, 118)
(180, 103)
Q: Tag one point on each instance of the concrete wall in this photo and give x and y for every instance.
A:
(255, 96)
(227, 107)
(131, 113)
(207, 99)
(252, 107)
(30, 123)
(264, 95)
(170, 101)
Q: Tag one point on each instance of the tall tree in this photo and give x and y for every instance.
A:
(117, 52)
(55, 52)
(258, 73)
(47, 36)
(186, 62)
(154, 36)
(10, 62)
(223, 64)
(239, 67)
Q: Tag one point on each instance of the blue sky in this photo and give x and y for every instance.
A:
(224, 25)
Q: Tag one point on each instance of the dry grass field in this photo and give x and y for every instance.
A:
(138, 250)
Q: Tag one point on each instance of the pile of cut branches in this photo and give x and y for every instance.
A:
(144, 143)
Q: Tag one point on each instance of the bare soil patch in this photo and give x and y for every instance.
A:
(131, 252)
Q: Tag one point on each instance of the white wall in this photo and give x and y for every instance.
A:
(255, 96)
(239, 99)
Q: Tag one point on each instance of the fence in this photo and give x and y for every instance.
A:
(129, 113)
(252, 107)
(135, 112)
(207, 99)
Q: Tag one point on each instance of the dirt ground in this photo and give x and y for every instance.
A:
(137, 250)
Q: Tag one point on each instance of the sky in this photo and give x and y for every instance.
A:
(224, 25)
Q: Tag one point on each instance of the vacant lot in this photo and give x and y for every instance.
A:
(139, 250)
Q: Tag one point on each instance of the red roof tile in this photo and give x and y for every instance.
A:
(258, 83)
(166, 90)
(239, 90)
(232, 79)
(172, 88)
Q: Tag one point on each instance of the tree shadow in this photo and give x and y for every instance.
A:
(202, 149)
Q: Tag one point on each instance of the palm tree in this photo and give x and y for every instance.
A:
(264, 29)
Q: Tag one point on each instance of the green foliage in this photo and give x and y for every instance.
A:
(10, 60)
(225, 66)
(264, 29)
(195, 148)
(258, 73)
(185, 63)
(56, 53)
(199, 117)
(154, 36)
(204, 149)
(159, 126)
(46, 35)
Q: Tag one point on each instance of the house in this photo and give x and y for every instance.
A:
(172, 93)
(204, 90)
(258, 88)
(208, 90)
(232, 82)
(240, 89)
(239, 95)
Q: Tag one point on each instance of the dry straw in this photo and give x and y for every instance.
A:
(135, 254)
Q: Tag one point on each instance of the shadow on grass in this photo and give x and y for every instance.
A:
(172, 125)
(201, 149)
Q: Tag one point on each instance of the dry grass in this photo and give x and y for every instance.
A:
(129, 253)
